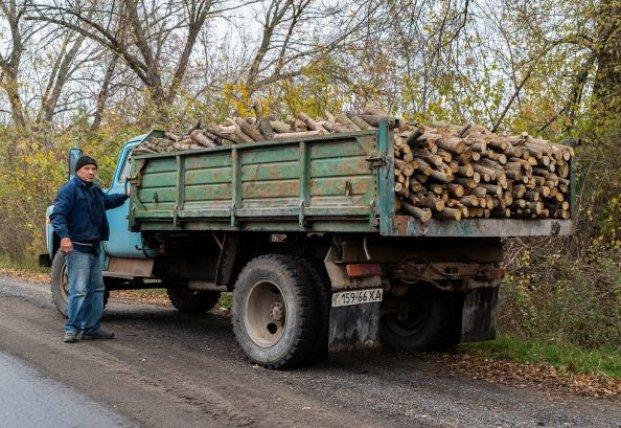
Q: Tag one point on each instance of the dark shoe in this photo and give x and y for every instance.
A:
(99, 334)
(70, 337)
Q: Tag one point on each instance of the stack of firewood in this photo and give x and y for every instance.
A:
(441, 171)
(452, 173)
(238, 130)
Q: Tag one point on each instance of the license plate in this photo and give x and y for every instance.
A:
(357, 297)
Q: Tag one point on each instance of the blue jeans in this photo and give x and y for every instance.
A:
(86, 292)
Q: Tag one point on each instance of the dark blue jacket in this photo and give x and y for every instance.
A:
(80, 212)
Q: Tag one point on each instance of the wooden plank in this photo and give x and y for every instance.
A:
(270, 189)
(158, 179)
(159, 194)
(160, 165)
(271, 171)
(338, 167)
(339, 186)
(208, 160)
(208, 192)
(270, 154)
(208, 175)
(341, 148)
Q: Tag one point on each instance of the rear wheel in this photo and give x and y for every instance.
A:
(190, 301)
(319, 277)
(60, 284)
(425, 319)
(277, 312)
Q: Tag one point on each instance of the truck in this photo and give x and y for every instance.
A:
(303, 232)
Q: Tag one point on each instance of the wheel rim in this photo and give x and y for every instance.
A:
(265, 311)
(64, 282)
(411, 317)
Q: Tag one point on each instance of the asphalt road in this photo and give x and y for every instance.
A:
(169, 369)
(28, 399)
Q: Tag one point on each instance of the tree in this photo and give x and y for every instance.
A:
(155, 40)
(296, 33)
(13, 13)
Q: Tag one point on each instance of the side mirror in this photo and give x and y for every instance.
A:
(74, 155)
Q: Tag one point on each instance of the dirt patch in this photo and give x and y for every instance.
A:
(540, 376)
(28, 275)
(155, 297)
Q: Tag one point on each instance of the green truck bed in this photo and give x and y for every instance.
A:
(332, 183)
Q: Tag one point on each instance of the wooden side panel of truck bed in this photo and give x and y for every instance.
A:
(340, 183)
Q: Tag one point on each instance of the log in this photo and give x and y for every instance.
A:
(249, 130)
(201, 139)
(171, 136)
(427, 139)
(312, 124)
(280, 127)
(415, 186)
(480, 192)
(466, 170)
(432, 202)
(291, 135)
(466, 182)
(446, 156)
(424, 167)
(456, 190)
(223, 133)
(423, 214)
(453, 144)
(492, 189)
(359, 122)
(450, 214)
(347, 122)
(444, 177)
(406, 168)
(375, 119)
(470, 201)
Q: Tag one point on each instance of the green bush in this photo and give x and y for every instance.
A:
(551, 296)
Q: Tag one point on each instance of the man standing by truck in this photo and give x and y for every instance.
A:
(79, 219)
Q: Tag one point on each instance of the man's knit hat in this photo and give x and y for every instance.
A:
(85, 160)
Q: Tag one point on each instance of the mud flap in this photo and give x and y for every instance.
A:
(354, 327)
(478, 320)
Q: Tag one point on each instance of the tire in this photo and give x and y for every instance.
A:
(321, 281)
(277, 312)
(60, 284)
(430, 321)
(192, 302)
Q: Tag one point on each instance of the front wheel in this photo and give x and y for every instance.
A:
(192, 302)
(425, 319)
(60, 284)
(277, 312)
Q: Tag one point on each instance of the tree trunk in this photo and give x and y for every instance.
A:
(607, 84)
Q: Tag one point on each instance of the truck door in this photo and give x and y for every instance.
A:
(123, 242)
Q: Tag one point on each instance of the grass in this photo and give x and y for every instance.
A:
(226, 300)
(565, 357)
(27, 265)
